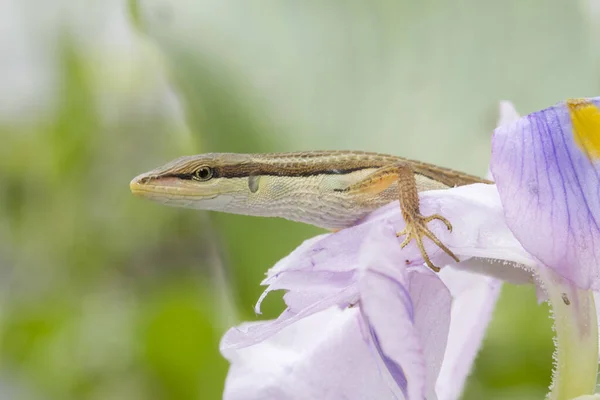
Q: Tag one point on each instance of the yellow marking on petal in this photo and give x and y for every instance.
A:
(585, 117)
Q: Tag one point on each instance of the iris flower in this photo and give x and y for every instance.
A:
(366, 320)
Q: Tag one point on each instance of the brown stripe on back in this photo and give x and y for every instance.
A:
(301, 164)
(260, 169)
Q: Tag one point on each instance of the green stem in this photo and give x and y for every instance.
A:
(576, 327)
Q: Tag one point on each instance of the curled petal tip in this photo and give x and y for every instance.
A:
(507, 113)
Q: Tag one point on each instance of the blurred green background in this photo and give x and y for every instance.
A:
(106, 296)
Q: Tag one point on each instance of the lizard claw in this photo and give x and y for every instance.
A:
(407, 239)
(439, 218)
(416, 228)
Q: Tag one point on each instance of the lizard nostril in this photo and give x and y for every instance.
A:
(139, 181)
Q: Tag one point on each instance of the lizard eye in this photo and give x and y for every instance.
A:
(203, 173)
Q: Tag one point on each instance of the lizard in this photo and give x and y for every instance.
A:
(329, 189)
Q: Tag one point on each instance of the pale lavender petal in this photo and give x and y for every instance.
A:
(387, 307)
(324, 356)
(479, 227)
(549, 185)
(291, 260)
(474, 297)
(326, 261)
(431, 302)
(334, 252)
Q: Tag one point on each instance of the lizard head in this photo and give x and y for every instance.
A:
(210, 181)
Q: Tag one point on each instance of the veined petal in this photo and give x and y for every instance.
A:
(387, 308)
(547, 169)
(408, 316)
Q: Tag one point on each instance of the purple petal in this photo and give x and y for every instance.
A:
(547, 169)
(324, 356)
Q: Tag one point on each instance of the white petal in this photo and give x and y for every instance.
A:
(508, 113)
(474, 297)
(324, 356)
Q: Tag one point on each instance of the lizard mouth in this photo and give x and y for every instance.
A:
(166, 188)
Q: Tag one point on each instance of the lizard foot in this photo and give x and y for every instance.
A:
(416, 228)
